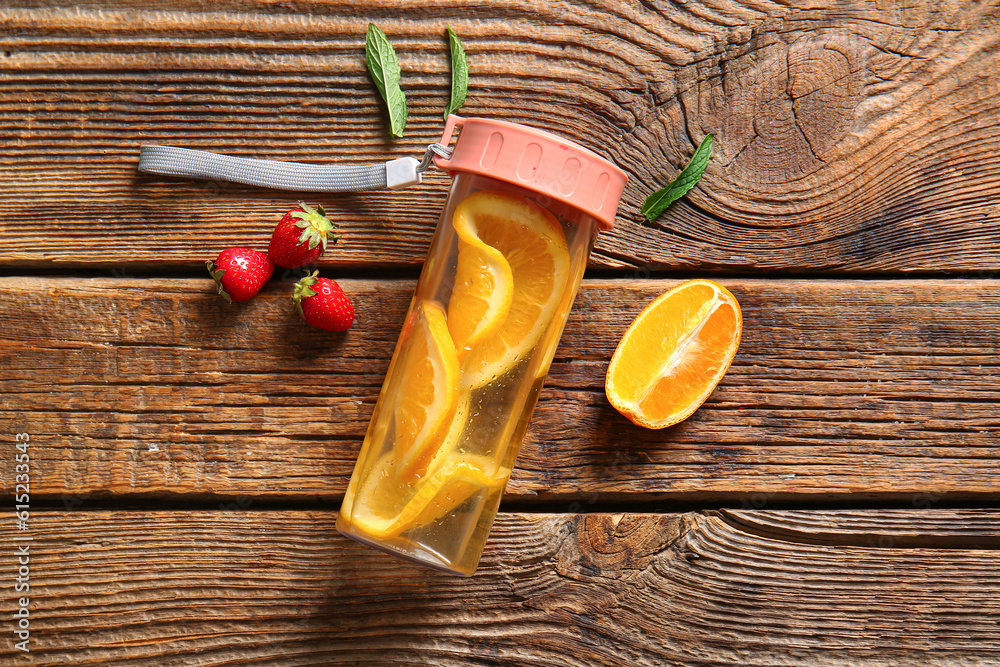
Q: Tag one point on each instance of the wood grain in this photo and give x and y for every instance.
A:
(860, 137)
(181, 588)
(841, 389)
(855, 140)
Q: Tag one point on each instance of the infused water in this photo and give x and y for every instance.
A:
(476, 345)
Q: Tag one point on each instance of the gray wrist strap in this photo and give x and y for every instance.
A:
(184, 162)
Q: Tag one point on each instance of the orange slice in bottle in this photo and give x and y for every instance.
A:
(427, 390)
(534, 246)
(484, 287)
(452, 441)
(674, 354)
(383, 509)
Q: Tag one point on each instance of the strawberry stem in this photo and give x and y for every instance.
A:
(303, 290)
(315, 226)
(217, 274)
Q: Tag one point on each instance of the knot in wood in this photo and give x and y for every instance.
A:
(610, 544)
(786, 107)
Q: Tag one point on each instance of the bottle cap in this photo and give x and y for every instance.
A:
(536, 160)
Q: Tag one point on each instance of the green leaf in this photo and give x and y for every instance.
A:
(459, 74)
(658, 202)
(384, 68)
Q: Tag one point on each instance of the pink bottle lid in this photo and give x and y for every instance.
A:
(536, 160)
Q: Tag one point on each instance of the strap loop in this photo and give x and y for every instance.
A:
(434, 149)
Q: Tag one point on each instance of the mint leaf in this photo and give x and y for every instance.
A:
(459, 74)
(658, 202)
(384, 68)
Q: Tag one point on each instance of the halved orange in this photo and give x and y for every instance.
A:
(533, 244)
(383, 509)
(427, 389)
(484, 287)
(674, 354)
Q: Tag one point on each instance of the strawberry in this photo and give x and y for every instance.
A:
(322, 303)
(240, 273)
(300, 237)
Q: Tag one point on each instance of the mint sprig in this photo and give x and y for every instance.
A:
(383, 65)
(658, 202)
(459, 74)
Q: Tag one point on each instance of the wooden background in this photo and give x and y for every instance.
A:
(835, 502)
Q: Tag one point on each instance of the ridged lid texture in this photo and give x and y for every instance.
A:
(536, 160)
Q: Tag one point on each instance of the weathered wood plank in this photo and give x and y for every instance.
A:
(840, 388)
(855, 137)
(127, 588)
(886, 529)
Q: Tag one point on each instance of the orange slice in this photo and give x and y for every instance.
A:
(427, 390)
(674, 354)
(455, 481)
(534, 246)
(451, 442)
(483, 290)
